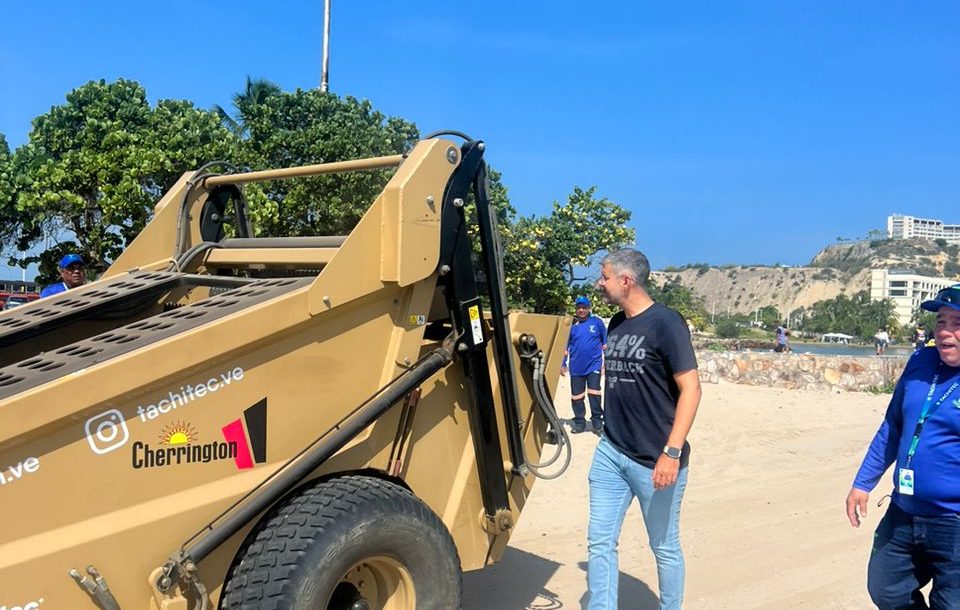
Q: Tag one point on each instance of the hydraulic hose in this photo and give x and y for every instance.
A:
(550, 413)
(184, 259)
(195, 179)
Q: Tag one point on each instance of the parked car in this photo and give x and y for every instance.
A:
(15, 301)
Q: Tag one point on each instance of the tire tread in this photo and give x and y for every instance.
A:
(260, 578)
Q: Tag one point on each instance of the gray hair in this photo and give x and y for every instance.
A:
(628, 261)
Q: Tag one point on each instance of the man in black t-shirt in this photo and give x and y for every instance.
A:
(652, 394)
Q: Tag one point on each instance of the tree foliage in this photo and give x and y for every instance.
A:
(255, 93)
(857, 316)
(728, 329)
(95, 166)
(308, 127)
(681, 299)
(8, 192)
(541, 253)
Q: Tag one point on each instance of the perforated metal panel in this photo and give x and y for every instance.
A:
(114, 298)
(51, 365)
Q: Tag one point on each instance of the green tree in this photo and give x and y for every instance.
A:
(770, 316)
(728, 329)
(255, 92)
(541, 254)
(681, 299)
(307, 127)
(95, 166)
(9, 216)
(857, 315)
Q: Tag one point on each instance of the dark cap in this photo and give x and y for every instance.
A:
(948, 297)
(70, 259)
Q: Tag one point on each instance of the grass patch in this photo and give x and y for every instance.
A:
(886, 388)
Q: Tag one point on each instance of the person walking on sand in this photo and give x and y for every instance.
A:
(918, 539)
(584, 360)
(783, 345)
(881, 340)
(652, 393)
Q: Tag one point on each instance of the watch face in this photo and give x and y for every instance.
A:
(673, 452)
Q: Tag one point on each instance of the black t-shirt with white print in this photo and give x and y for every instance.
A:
(640, 394)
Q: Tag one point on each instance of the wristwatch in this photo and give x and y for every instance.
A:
(672, 452)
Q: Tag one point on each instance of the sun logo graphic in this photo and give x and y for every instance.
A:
(178, 433)
(254, 450)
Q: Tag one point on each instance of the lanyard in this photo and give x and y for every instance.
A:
(928, 410)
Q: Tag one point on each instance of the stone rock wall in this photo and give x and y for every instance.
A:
(805, 371)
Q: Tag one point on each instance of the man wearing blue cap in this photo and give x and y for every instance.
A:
(72, 273)
(918, 539)
(584, 360)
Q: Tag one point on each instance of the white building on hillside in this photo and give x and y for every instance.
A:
(906, 289)
(900, 226)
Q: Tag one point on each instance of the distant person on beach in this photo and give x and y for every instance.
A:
(652, 395)
(880, 340)
(584, 360)
(918, 539)
(72, 274)
(920, 338)
(783, 345)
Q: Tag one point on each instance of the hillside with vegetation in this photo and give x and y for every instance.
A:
(839, 270)
(923, 256)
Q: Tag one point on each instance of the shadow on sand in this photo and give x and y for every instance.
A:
(519, 582)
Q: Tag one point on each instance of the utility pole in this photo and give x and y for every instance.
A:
(325, 75)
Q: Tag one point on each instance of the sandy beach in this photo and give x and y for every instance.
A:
(763, 521)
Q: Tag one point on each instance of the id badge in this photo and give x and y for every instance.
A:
(905, 477)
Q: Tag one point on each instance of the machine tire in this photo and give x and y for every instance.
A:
(333, 543)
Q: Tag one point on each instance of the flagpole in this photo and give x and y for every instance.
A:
(325, 76)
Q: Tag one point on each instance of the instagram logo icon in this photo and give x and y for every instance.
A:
(106, 431)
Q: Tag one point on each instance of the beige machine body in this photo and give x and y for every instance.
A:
(142, 413)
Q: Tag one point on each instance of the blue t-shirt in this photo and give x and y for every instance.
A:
(585, 347)
(936, 462)
(53, 289)
(640, 399)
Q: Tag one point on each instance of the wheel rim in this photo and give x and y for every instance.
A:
(376, 583)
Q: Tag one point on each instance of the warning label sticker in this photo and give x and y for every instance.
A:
(475, 324)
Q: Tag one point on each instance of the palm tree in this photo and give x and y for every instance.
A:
(255, 93)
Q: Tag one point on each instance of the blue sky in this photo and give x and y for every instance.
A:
(736, 132)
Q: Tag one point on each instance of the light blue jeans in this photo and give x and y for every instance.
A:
(614, 481)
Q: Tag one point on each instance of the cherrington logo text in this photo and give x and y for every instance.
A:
(187, 394)
(146, 457)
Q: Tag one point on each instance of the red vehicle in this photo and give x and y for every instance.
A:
(9, 300)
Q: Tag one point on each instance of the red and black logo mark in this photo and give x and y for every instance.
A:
(254, 451)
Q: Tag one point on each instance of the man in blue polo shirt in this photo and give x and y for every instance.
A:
(72, 274)
(584, 360)
(918, 539)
